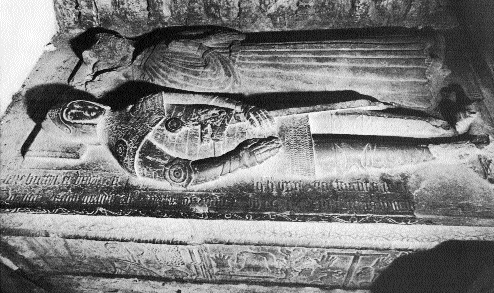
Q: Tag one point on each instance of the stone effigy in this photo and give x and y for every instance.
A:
(306, 144)
(176, 139)
(177, 144)
(323, 157)
(406, 70)
(316, 174)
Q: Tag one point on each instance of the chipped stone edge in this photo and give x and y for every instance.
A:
(267, 233)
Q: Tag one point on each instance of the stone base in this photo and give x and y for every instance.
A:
(320, 255)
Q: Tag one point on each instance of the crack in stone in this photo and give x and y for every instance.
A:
(408, 8)
(77, 7)
(148, 9)
(96, 13)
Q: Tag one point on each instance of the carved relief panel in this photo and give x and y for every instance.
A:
(319, 267)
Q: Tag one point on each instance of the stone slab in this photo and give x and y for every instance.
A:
(72, 245)
(364, 181)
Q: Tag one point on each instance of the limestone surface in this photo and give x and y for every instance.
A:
(133, 17)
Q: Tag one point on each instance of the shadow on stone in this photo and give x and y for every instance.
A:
(40, 99)
(282, 100)
(129, 93)
(452, 266)
(90, 37)
(87, 39)
(454, 101)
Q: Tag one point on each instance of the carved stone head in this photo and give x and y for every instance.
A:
(77, 121)
(109, 52)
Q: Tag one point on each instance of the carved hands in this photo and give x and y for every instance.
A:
(465, 118)
(200, 41)
(248, 154)
(254, 151)
(219, 38)
(188, 46)
(257, 117)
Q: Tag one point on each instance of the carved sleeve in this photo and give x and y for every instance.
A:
(195, 61)
(183, 173)
(250, 153)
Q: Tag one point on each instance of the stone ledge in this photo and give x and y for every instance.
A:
(266, 233)
(72, 284)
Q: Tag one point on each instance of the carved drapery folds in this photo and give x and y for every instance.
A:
(202, 65)
(311, 131)
(246, 113)
(405, 71)
(185, 135)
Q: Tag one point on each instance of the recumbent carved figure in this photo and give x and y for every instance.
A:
(404, 70)
(187, 139)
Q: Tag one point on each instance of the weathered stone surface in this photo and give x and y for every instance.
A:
(324, 177)
(403, 70)
(321, 267)
(42, 172)
(124, 163)
(269, 253)
(13, 282)
(76, 284)
(377, 236)
(447, 195)
(469, 71)
(321, 173)
(280, 263)
(379, 123)
(133, 17)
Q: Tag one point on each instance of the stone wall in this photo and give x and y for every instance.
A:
(132, 17)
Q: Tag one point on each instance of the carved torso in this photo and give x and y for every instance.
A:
(154, 133)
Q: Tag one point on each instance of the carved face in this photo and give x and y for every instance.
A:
(76, 121)
(109, 52)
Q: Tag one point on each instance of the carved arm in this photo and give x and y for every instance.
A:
(250, 153)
